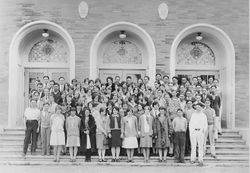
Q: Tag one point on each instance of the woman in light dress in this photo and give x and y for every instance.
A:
(146, 132)
(101, 134)
(57, 138)
(73, 133)
(129, 133)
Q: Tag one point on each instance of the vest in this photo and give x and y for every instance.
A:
(112, 122)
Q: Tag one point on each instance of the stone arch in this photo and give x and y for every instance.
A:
(16, 68)
(130, 27)
(227, 63)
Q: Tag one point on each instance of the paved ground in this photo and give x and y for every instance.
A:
(120, 169)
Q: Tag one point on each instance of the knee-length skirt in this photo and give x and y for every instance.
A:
(130, 143)
(116, 138)
(100, 141)
(73, 141)
(57, 138)
(146, 141)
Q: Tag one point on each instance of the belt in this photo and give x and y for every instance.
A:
(197, 129)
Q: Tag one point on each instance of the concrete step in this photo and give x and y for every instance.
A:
(231, 141)
(219, 150)
(11, 138)
(218, 153)
(16, 129)
(11, 133)
(229, 131)
(123, 163)
(237, 136)
(136, 158)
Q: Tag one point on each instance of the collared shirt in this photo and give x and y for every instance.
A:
(32, 113)
(210, 113)
(180, 124)
(198, 121)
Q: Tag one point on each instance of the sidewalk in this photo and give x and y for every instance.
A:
(120, 169)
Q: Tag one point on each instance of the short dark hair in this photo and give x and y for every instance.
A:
(98, 80)
(175, 77)
(128, 77)
(147, 77)
(162, 108)
(73, 80)
(102, 109)
(39, 84)
(45, 77)
(155, 103)
(45, 103)
(61, 78)
(179, 110)
(109, 77)
(52, 81)
(116, 108)
(166, 76)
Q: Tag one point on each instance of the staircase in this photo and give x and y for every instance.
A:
(231, 150)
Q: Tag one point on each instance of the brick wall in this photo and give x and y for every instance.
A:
(229, 15)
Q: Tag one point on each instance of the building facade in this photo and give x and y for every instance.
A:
(84, 41)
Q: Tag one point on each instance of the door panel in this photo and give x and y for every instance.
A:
(103, 74)
(205, 75)
(135, 74)
(54, 74)
(31, 75)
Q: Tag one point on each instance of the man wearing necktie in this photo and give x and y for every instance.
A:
(61, 83)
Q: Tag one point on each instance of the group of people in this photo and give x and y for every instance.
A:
(165, 118)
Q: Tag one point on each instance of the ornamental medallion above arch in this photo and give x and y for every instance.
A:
(195, 53)
(122, 52)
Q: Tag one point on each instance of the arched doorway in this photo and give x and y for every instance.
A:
(31, 56)
(131, 56)
(217, 59)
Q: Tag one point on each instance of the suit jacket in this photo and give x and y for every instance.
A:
(79, 114)
(216, 104)
(57, 97)
(203, 98)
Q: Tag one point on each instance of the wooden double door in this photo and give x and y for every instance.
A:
(123, 73)
(31, 75)
(205, 74)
